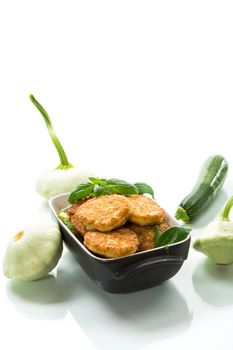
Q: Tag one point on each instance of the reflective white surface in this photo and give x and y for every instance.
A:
(194, 307)
(137, 90)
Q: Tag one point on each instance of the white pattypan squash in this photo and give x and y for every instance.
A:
(65, 177)
(57, 181)
(33, 252)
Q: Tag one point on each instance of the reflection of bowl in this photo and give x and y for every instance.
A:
(125, 274)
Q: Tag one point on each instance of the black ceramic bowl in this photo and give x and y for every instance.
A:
(125, 274)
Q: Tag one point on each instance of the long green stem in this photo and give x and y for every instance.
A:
(62, 155)
(224, 214)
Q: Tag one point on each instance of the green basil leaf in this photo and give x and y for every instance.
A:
(156, 236)
(83, 190)
(100, 191)
(97, 181)
(126, 190)
(172, 235)
(117, 182)
(144, 188)
(121, 187)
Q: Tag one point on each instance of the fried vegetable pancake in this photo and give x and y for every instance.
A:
(72, 210)
(113, 244)
(144, 211)
(164, 226)
(78, 226)
(146, 234)
(104, 213)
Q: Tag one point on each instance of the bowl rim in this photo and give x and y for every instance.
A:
(63, 195)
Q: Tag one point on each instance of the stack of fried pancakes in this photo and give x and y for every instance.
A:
(116, 225)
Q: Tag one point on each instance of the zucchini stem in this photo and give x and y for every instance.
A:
(224, 213)
(64, 163)
(181, 214)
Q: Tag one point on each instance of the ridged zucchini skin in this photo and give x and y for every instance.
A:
(211, 178)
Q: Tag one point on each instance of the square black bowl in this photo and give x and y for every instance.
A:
(129, 273)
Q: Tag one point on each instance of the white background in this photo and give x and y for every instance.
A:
(139, 90)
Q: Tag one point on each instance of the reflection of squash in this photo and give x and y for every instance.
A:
(33, 252)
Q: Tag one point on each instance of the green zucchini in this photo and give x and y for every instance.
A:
(209, 182)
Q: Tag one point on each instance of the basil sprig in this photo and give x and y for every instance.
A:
(172, 235)
(100, 187)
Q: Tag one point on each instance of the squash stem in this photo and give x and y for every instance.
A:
(60, 150)
(224, 214)
(181, 214)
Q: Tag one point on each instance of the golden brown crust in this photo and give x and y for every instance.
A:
(113, 244)
(108, 213)
(144, 211)
(73, 208)
(104, 213)
(146, 234)
(164, 226)
(78, 226)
